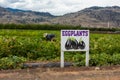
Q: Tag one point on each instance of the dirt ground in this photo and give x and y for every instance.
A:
(68, 73)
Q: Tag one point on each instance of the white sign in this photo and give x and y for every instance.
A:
(74, 40)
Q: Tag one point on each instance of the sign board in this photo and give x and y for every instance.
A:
(74, 40)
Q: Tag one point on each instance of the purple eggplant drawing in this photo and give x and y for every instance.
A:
(81, 44)
(74, 43)
(71, 43)
(68, 44)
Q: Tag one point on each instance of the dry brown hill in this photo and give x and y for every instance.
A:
(92, 17)
(89, 17)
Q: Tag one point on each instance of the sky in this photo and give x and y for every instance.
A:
(57, 7)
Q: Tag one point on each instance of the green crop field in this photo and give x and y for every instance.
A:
(19, 46)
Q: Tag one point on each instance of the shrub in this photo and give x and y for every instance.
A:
(11, 62)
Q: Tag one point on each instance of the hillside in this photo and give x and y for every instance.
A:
(89, 17)
(9, 15)
(92, 17)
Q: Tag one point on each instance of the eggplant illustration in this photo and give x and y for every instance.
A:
(81, 44)
(68, 44)
(74, 43)
(71, 43)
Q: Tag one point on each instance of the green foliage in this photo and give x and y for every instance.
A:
(104, 59)
(51, 27)
(18, 45)
(37, 26)
(79, 59)
(11, 62)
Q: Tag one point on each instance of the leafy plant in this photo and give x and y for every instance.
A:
(30, 45)
(11, 62)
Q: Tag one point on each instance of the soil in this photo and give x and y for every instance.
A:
(67, 73)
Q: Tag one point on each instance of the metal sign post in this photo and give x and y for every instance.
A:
(74, 40)
(87, 58)
(62, 59)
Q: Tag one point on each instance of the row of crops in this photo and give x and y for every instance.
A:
(19, 46)
(52, 27)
